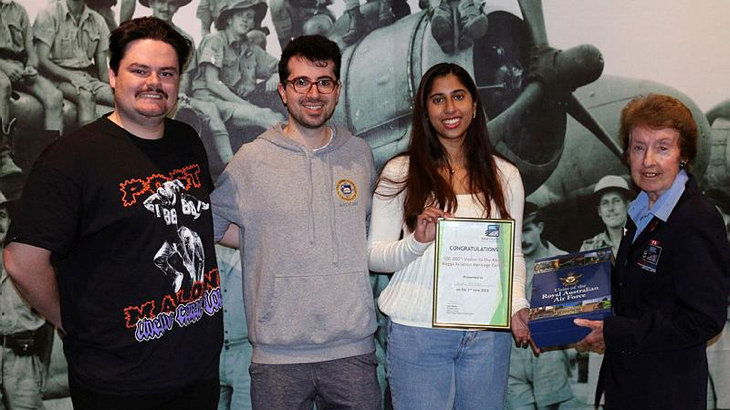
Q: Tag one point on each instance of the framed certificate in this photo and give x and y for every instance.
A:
(473, 266)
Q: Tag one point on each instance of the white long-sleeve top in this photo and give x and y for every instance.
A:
(408, 298)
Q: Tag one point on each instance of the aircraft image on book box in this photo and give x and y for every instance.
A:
(566, 287)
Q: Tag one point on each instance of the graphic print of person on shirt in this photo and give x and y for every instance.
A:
(186, 255)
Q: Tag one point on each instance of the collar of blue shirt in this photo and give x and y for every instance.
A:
(640, 212)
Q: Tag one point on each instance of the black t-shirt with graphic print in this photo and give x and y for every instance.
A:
(129, 224)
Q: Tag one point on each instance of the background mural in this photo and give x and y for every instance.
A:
(553, 77)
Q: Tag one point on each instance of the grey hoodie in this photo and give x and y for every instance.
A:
(302, 218)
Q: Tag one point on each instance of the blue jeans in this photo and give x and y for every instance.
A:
(349, 383)
(425, 364)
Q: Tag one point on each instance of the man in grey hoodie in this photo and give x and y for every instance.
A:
(296, 200)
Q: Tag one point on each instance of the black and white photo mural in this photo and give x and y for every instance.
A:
(553, 77)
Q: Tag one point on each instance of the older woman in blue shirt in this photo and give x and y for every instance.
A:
(670, 283)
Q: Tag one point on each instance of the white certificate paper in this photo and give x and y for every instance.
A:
(473, 273)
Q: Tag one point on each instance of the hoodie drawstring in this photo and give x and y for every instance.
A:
(333, 228)
(311, 195)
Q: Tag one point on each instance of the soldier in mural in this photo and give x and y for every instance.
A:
(19, 72)
(534, 246)
(216, 132)
(293, 18)
(358, 26)
(290, 16)
(225, 71)
(206, 11)
(104, 8)
(537, 382)
(213, 129)
(72, 43)
(22, 340)
(471, 23)
(165, 10)
(236, 354)
(612, 197)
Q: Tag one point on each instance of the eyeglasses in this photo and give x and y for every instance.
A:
(302, 85)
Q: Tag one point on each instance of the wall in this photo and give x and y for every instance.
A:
(677, 47)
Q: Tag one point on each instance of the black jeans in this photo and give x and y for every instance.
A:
(349, 383)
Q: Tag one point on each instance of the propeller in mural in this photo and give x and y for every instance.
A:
(530, 131)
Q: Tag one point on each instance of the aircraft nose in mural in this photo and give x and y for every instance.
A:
(531, 130)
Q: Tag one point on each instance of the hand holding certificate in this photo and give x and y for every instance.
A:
(426, 224)
(473, 273)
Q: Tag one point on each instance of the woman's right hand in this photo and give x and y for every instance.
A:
(426, 224)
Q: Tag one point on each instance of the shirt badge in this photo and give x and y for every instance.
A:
(650, 256)
(346, 190)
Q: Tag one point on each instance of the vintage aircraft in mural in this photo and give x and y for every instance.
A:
(552, 113)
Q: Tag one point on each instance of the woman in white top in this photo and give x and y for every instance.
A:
(450, 169)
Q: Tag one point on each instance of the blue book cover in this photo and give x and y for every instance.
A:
(566, 287)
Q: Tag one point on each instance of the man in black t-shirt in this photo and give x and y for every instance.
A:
(114, 245)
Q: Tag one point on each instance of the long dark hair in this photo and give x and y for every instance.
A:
(424, 185)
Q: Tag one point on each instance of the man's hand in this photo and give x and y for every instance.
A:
(30, 73)
(13, 71)
(426, 224)
(594, 341)
(520, 331)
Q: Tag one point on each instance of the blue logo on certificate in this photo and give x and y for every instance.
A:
(492, 231)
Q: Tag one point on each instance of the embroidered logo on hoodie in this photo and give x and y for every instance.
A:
(346, 190)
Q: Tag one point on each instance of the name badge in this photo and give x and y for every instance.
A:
(650, 257)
